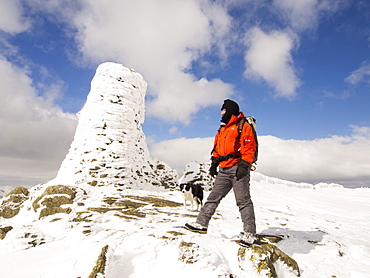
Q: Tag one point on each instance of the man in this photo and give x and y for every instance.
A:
(234, 154)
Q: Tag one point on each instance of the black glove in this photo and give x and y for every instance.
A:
(213, 169)
(243, 169)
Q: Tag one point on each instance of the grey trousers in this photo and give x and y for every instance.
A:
(225, 181)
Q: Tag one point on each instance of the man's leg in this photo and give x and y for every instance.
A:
(245, 204)
(221, 187)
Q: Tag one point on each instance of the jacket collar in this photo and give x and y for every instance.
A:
(234, 119)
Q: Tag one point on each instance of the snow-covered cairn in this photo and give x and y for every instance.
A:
(109, 146)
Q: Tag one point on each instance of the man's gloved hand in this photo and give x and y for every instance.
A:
(242, 170)
(213, 169)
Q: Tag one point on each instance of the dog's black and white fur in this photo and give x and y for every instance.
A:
(192, 193)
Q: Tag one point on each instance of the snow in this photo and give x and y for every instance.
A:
(326, 227)
(326, 231)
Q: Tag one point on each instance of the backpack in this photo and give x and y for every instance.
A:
(252, 122)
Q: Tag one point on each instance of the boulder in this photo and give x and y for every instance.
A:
(13, 201)
(52, 200)
(264, 256)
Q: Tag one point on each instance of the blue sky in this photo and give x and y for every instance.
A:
(302, 68)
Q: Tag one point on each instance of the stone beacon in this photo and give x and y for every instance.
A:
(109, 146)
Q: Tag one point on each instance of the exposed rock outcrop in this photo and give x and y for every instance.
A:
(52, 200)
(100, 264)
(4, 231)
(13, 201)
(264, 256)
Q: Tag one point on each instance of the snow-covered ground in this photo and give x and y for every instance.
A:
(326, 230)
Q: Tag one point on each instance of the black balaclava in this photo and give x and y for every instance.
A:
(232, 108)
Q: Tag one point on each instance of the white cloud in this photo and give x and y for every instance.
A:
(160, 39)
(338, 159)
(173, 130)
(360, 75)
(269, 57)
(11, 18)
(35, 134)
(178, 152)
(181, 97)
(305, 14)
(301, 14)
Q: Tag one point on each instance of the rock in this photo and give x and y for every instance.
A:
(13, 201)
(263, 257)
(4, 231)
(189, 253)
(52, 200)
(99, 268)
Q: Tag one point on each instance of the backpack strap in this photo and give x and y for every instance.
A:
(240, 125)
(252, 122)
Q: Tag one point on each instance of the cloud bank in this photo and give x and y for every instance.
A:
(338, 159)
(294, 160)
(35, 134)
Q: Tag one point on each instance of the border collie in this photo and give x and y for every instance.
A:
(192, 193)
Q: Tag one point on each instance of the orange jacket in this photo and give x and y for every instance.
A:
(226, 142)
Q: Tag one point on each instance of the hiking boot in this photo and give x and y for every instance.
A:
(248, 239)
(196, 228)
